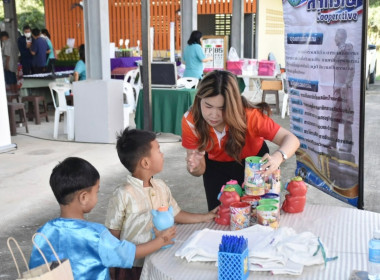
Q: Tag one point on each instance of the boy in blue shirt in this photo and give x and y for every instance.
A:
(90, 247)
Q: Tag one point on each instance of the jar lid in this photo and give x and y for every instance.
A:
(162, 209)
(376, 234)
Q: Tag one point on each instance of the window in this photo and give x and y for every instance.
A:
(223, 24)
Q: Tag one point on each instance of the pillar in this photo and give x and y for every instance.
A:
(96, 29)
(98, 101)
(189, 20)
(237, 27)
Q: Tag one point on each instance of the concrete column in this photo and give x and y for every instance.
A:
(98, 101)
(237, 26)
(10, 20)
(146, 55)
(189, 20)
(96, 29)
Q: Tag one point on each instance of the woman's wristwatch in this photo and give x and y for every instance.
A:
(284, 156)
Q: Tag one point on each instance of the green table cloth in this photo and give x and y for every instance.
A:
(241, 84)
(168, 107)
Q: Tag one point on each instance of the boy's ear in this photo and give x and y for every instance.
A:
(145, 163)
(83, 197)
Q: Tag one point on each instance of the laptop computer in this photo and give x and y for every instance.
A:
(163, 74)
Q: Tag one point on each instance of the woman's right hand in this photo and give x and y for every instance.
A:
(166, 236)
(193, 159)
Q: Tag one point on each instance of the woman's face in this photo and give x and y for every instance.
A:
(212, 111)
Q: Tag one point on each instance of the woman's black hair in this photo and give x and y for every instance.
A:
(82, 53)
(195, 37)
(45, 32)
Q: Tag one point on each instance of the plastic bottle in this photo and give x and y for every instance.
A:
(163, 219)
(296, 199)
(374, 257)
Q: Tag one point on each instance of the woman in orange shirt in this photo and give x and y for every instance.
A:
(222, 128)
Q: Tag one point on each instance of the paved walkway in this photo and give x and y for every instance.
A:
(26, 201)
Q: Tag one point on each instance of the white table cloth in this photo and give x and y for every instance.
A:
(345, 232)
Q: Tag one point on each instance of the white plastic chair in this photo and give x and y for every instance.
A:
(188, 82)
(130, 105)
(61, 107)
(129, 94)
(133, 78)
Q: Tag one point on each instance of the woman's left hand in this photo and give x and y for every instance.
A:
(270, 163)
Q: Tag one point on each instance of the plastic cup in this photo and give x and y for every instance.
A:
(267, 215)
(253, 164)
(276, 181)
(254, 201)
(272, 196)
(240, 215)
(271, 201)
(253, 189)
(253, 181)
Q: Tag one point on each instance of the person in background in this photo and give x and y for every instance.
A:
(24, 43)
(90, 247)
(9, 52)
(80, 67)
(39, 50)
(222, 128)
(194, 56)
(50, 60)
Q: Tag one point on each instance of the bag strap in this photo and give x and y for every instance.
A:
(39, 249)
(13, 256)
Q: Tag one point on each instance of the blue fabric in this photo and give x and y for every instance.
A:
(26, 56)
(51, 54)
(10, 77)
(193, 56)
(80, 67)
(40, 47)
(90, 247)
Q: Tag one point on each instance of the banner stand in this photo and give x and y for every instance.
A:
(362, 106)
(325, 48)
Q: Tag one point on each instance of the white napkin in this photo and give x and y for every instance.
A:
(280, 251)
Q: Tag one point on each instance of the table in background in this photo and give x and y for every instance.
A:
(119, 73)
(256, 82)
(344, 231)
(42, 80)
(124, 62)
(168, 107)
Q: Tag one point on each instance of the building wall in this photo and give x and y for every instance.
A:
(64, 19)
(271, 30)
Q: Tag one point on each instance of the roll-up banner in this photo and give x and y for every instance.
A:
(325, 61)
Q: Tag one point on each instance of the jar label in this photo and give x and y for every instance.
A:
(374, 255)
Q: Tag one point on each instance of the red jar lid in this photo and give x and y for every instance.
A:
(250, 198)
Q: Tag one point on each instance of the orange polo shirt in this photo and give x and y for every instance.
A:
(260, 127)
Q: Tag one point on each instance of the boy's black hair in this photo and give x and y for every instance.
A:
(132, 145)
(4, 34)
(71, 175)
(27, 26)
(36, 31)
